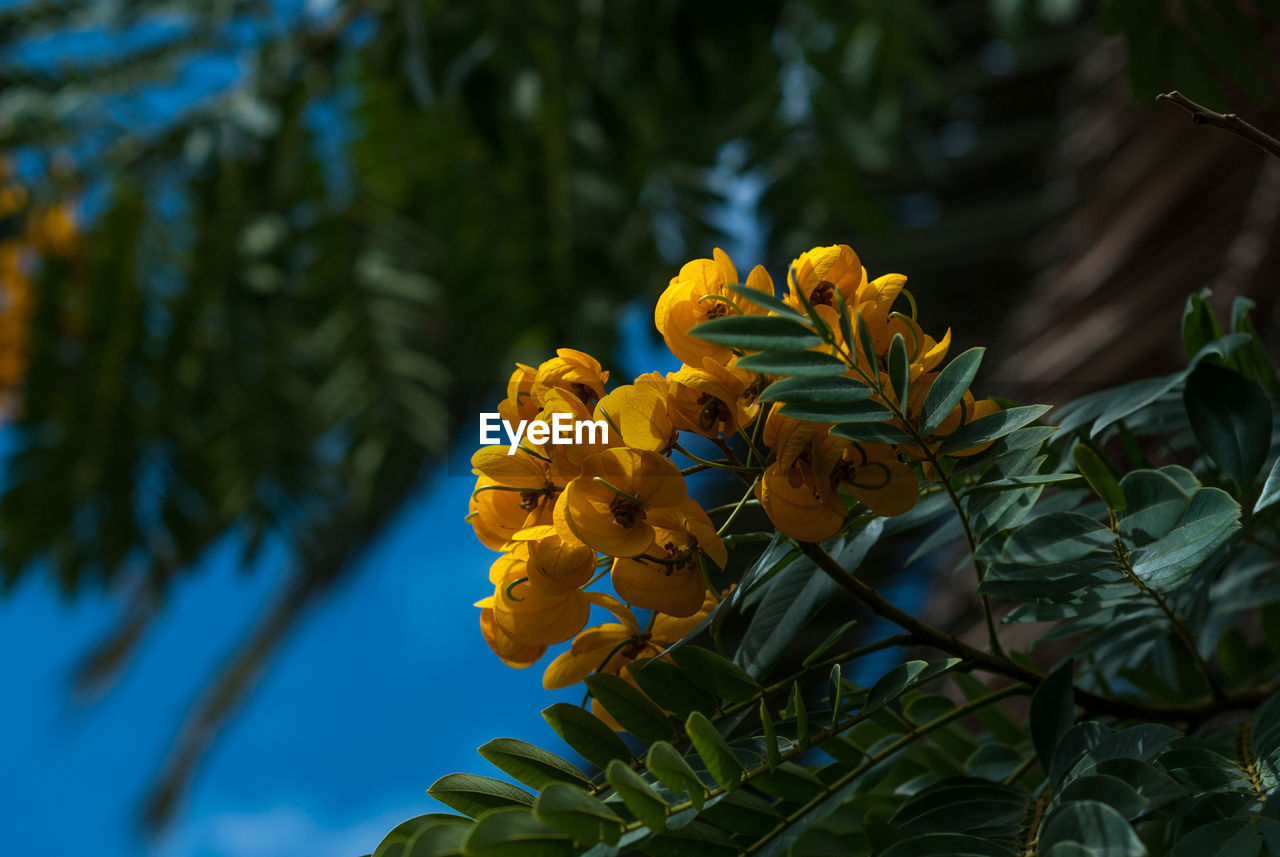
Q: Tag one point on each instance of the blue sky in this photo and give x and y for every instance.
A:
(384, 688)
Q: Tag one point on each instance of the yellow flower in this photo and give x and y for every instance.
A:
(713, 401)
(822, 272)
(638, 414)
(513, 654)
(605, 507)
(573, 371)
(513, 492)
(871, 473)
(672, 583)
(610, 647)
(565, 459)
(528, 615)
(557, 562)
(520, 403)
(701, 292)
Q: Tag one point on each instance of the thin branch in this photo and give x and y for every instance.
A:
(1227, 121)
(1191, 712)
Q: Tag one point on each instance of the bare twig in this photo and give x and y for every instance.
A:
(1227, 121)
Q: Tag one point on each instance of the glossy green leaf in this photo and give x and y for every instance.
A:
(638, 795)
(799, 363)
(573, 811)
(842, 412)
(516, 833)
(893, 683)
(1052, 712)
(589, 736)
(992, 427)
(471, 795)
(829, 390)
(1093, 824)
(531, 765)
(631, 708)
(1099, 476)
(770, 735)
(949, 388)
(768, 301)
(717, 673)
(829, 643)
(715, 753)
(1231, 418)
(671, 769)
(899, 367)
(671, 687)
(1270, 489)
(793, 596)
(757, 333)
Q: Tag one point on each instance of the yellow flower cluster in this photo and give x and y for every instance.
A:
(44, 231)
(559, 513)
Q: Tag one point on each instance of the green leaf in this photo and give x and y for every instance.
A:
(1227, 838)
(640, 797)
(846, 326)
(946, 845)
(961, 805)
(578, 814)
(770, 736)
(692, 840)
(718, 757)
(720, 675)
(1113, 791)
(802, 363)
(992, 426)
(948, 389)
(671, 687)
(829, 390)
(1099, 476)
(442, 839)
(1231, 418)
(1093, 824)
(834, 693)
(899, 367)
(671, 769)
(872, 433)
(516, 833)
(757, 333)
(867, 343)
(632, 709)
(768, 301)
(826, 645)
(1199, 323)
(796, 710)
(847, 412)
(531, 765)
(471, 795)
(893, 683)
(1209, 520)
(1015, 483)
(587, 734)
(1052, 712)
(1270, 489)
(395, 843)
